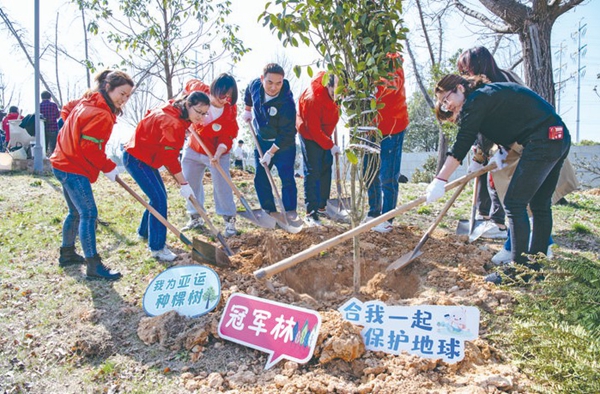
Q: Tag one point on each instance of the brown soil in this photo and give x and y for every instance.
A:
(449, 273)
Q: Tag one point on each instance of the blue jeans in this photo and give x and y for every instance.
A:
(507, 243)
(532, 184)
(384, 174)
(284, 161)
(152, 185)
(83, 212)
(317, 174)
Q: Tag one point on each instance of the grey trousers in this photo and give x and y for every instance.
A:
(194, 165)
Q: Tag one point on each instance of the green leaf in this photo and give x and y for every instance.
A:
(297, 71)
(351, 156)
(309, 70)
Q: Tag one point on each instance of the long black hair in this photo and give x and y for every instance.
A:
(191, 99)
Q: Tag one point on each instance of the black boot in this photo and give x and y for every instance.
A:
(69, 257)
(97, 270)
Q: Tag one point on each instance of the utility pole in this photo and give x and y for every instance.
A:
(581, 51)
(559, 70)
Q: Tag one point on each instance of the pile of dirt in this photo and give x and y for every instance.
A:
(450, 272)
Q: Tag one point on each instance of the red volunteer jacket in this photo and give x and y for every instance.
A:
(317, 113)
(82, 140)
(67, 108)
(393, 118)
(159, 137)
(222, 130)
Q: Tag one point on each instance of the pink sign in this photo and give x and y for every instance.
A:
(283, 331)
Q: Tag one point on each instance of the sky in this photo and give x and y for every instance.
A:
(17, 74)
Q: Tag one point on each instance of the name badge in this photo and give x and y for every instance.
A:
(216, 127)
(272, 111)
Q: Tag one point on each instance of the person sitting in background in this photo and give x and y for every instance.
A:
(13, 114)
(507, 113)
(49, 110)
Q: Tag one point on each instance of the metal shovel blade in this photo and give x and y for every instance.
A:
(338, 210)
(206, 253)
(291, 226)
(404, 260)
(259, 217)
(479, 228)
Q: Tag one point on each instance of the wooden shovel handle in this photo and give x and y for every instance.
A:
(316, 249)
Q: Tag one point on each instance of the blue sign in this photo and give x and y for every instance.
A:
(191, 290)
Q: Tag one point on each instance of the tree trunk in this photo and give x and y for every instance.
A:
(537, 56)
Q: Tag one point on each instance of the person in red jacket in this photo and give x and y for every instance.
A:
(77, 161)
(218, 131)
(157, 141)
(392, 121)
(13, 114)
(316, 119)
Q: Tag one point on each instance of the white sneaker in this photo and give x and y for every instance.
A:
(164, 254)
(311, 221)
(230, 229)
(367, 219)
(291, 215)
(549, 253)
(495, 233)
(502, 257)
(384, 227)
(195, 222)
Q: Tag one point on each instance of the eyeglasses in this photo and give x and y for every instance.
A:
(201, 113)
(444, 100)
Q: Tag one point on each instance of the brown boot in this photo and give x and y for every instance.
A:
(69, 257)
(97, 270)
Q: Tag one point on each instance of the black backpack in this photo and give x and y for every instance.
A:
(28, 123)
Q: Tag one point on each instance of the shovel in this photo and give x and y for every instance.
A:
(281, 217)
(210, 225)
(316, 249)
(473, 228)
(408, 257)
(201, 251)
(256, 216)
(337, 208)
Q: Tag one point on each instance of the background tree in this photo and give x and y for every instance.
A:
(168, 39)
(354, 44)
(531, 21)
(424, 128)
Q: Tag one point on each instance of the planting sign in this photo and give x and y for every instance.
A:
(283, 331)
(191, 290)
(430, 331)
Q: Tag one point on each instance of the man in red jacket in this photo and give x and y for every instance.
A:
(392, 121)
(317, 117)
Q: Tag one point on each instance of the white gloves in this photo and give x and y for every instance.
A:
(186, 191)
(112, 175)
(335, 150)
(474, 166)
(266, 159)
(435, 190)
(499, 158)
(247, 116)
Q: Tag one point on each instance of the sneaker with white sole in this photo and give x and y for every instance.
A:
(384, 227)
(495, 233)
(502, 257)
(549, 253)
(312, 220)
(367, 219)
(164, 254)
(230, 229)
(195, 221)
(291, 215)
